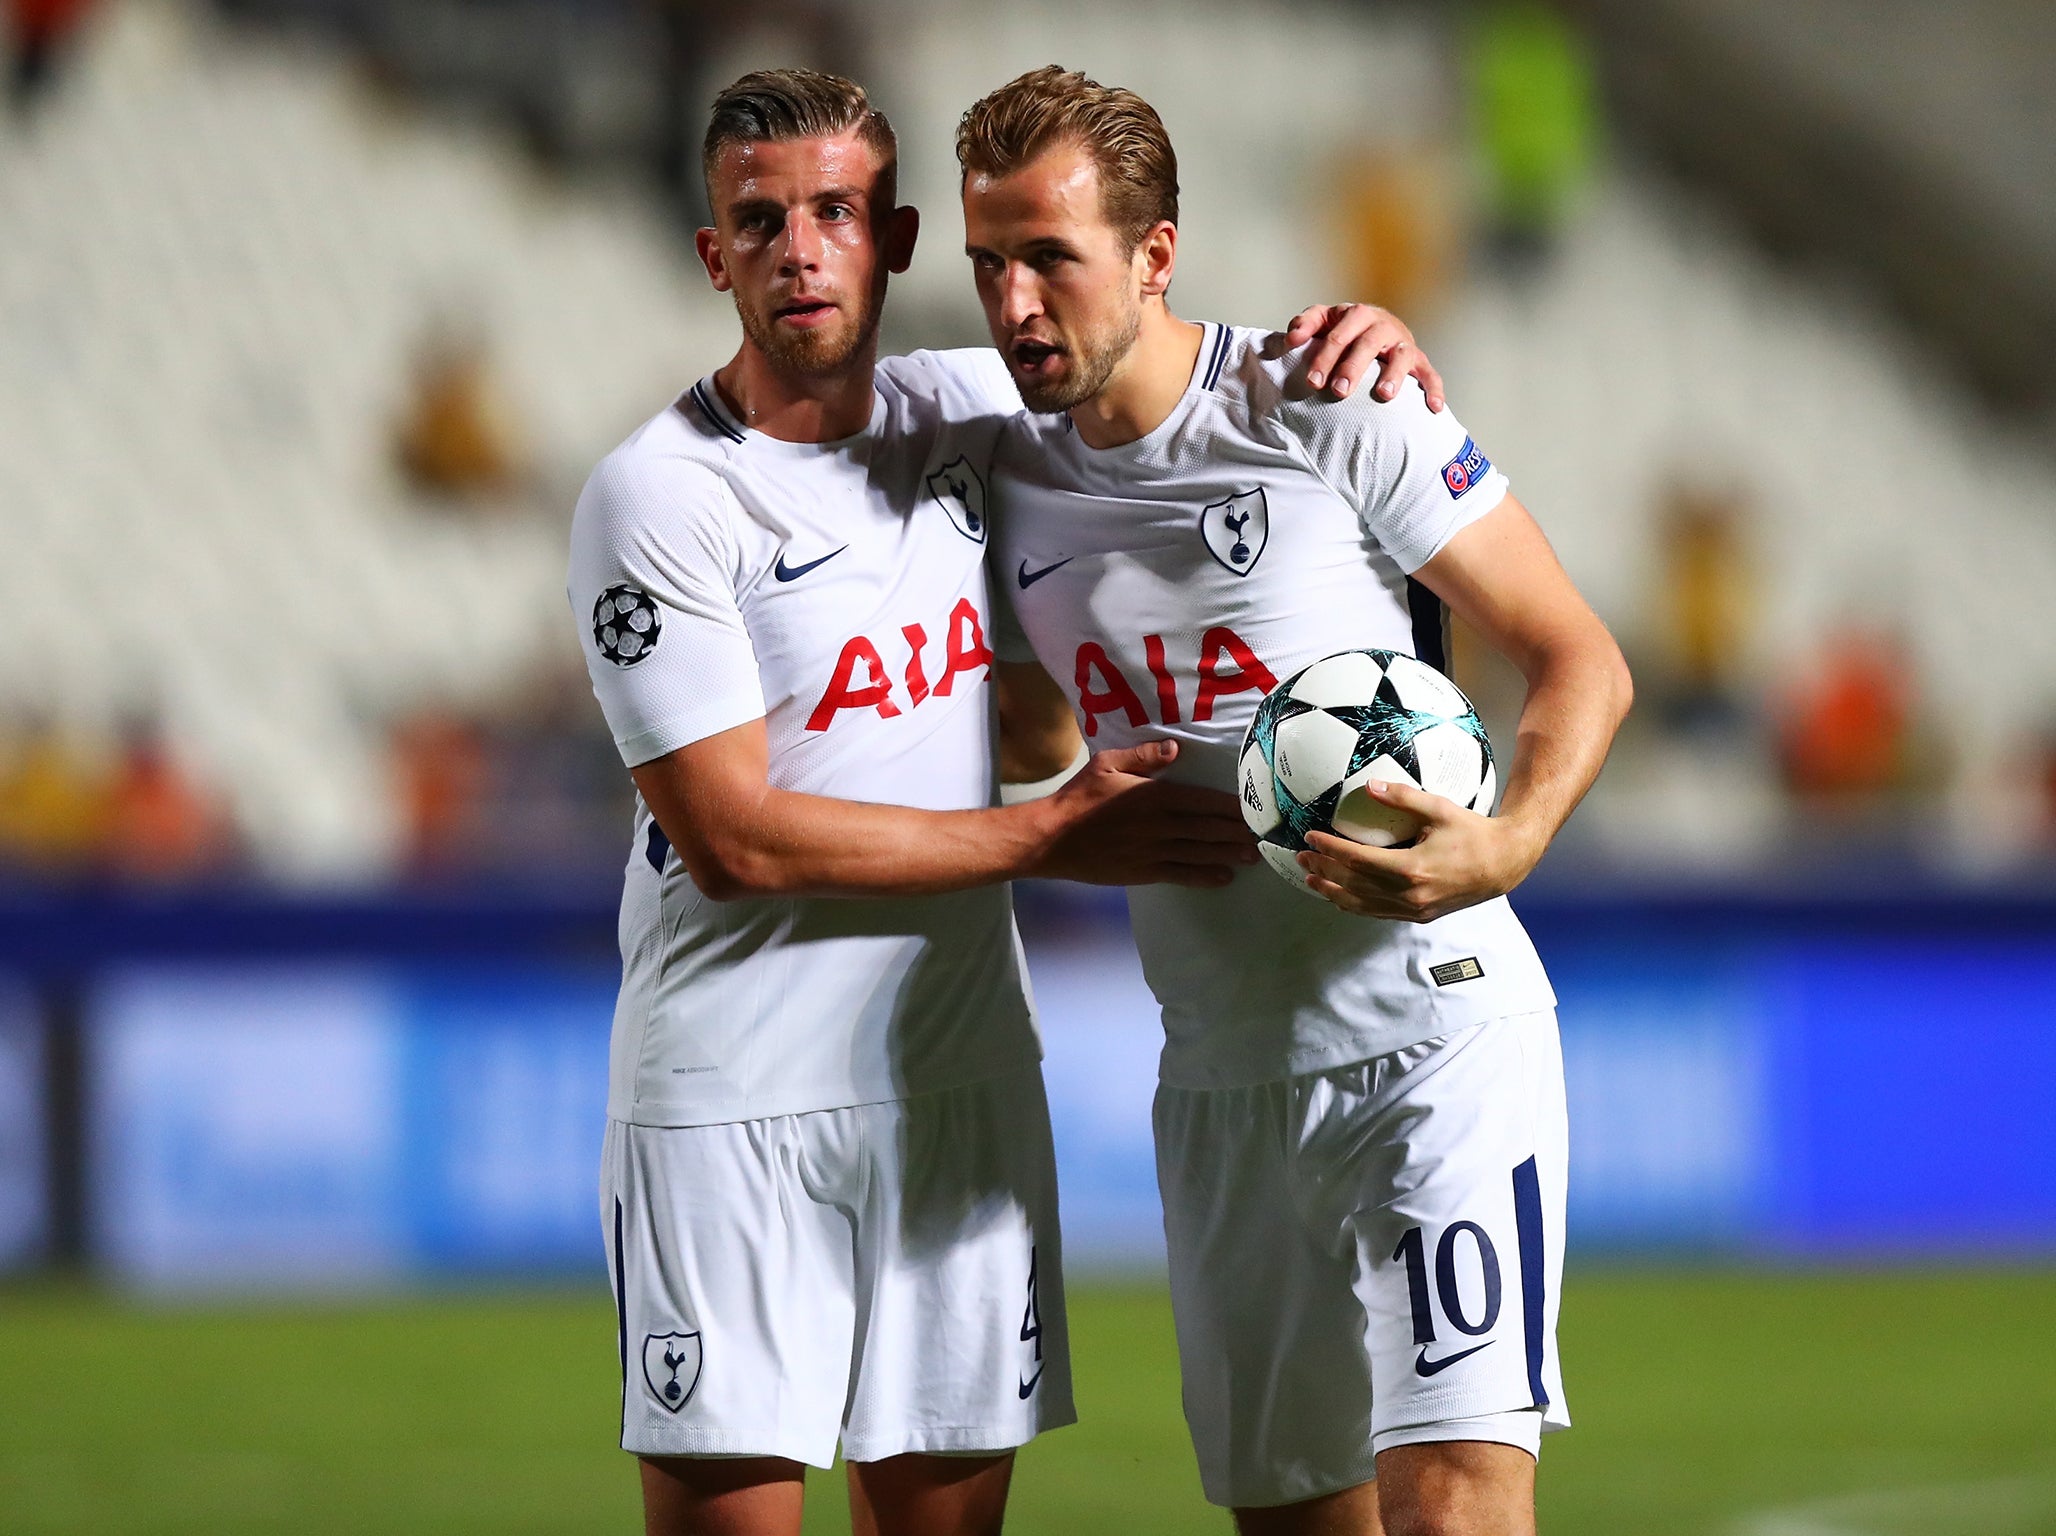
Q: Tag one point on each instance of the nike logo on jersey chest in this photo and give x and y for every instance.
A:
(785, 572)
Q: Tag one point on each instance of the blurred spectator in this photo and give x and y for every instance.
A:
(1706, 612)
(455, 438)
(535, 784)
(1844, 735)
(39, 31)
(2042, 771)
(440, 768)
(161, 825)
(53, 802)
(1536, 116)
(1399, 237)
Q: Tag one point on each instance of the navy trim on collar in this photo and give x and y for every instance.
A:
(714, 417)
(1219, 357)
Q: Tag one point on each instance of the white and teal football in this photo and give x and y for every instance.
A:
(1349, 719)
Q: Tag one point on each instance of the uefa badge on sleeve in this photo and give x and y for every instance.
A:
(1465, 470)
(626, 625)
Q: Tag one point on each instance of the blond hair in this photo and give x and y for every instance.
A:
(1138, 170)
(770, 106)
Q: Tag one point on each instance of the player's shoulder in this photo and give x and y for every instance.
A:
(1263, 373)
(960, 382)
(671, 466)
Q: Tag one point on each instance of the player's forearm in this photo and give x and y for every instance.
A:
(808, 845)
(1578, 693)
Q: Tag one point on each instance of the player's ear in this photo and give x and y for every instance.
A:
(1156, 258)
(708, 243)
(902, 229)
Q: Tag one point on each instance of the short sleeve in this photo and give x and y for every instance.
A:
(1414, 476)
(653, 588)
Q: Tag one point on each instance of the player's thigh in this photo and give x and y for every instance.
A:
(721, 1496)
(922, 1495)
(1446, 1172)
(963, 1339)
(733, 1287)
(1276, 1379)
(1456, 1488)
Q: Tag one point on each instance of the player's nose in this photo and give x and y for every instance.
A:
(1019, 300)
(800, 244)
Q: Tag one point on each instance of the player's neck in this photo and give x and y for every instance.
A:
(795, 408)
(1147, 386)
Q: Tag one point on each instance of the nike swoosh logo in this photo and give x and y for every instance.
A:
(1029, 1385)
(1426, 1367)
(1029, 578)
(786, 572)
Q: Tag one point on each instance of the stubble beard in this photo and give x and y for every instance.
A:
(812, 354)
(1093, 361)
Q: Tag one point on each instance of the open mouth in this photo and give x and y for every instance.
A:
(805, 311)
(1032, 356)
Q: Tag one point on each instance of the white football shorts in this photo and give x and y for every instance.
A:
(888, 1274)
(1367, 1257)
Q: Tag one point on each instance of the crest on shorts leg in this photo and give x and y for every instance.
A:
(671, 1366)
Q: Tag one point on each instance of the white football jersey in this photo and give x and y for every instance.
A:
(1167, 585)
(837, 591)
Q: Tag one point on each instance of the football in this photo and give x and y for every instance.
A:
(1348, 719)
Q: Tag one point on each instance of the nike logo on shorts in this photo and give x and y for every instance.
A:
(1030, 1384)
(786, 572)
(1423, 1366)
(1029, 578)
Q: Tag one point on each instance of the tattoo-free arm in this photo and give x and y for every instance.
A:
(1499, 576)
(741, 837)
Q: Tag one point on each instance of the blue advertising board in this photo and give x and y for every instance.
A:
(1819, 1087)
(287, 1125)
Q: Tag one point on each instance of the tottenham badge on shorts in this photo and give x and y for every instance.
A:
(1236, 530)
(671, 1365)
(962, 494)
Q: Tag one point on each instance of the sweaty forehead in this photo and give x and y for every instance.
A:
(1059, 188)
(788, 169)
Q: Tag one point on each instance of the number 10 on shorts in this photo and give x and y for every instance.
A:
(1474, 1320)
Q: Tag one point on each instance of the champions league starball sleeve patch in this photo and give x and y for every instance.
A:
(626, 625)
(1465, 470)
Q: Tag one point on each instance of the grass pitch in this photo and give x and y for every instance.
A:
(1730, 1404)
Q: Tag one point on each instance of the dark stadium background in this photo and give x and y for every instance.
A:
(313, 314)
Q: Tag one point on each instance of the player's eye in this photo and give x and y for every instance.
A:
(839, 212)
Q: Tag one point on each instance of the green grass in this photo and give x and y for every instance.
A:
(1699, 1397)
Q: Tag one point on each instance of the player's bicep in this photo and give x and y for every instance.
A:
(1038, 734)
(1500, 576)
(708, 796)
